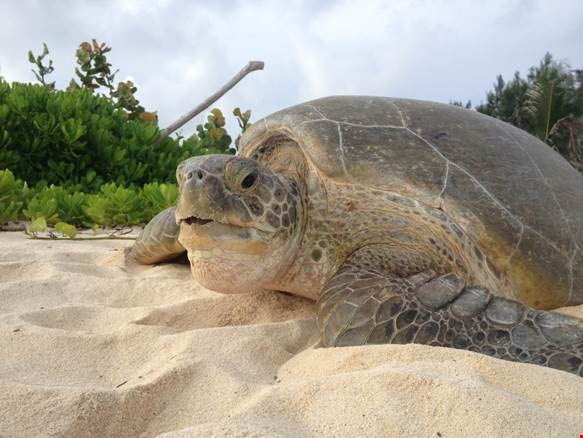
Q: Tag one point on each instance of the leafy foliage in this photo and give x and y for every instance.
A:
(38, 225)
(243, 120)
(77, 138)
(551, 96)
(90, 159)
(113, 205)
(13, 194)
(44, 205)
(66, 229)
(94, 70)
(505, 100)
(550, 92)
(212, 137)
(548, 103)
(43, 70)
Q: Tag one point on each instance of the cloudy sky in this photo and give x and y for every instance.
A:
(179, 52)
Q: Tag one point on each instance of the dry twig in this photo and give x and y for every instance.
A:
(250, 67)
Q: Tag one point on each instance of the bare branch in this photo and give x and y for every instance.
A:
(251, 66)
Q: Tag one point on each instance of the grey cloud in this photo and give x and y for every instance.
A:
(179, 52)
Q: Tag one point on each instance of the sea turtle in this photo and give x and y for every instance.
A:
(408, 221)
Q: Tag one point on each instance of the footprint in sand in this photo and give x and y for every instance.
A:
(17, 271)
(83, 319)
(42, 270)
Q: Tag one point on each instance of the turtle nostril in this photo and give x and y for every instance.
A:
(194, 173)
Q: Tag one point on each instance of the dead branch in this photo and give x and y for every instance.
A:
(251, 66)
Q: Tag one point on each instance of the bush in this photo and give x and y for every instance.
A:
(112, 206)
(90, 159)
(13, 195)
(77, 138)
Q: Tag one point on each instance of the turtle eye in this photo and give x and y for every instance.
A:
(249, 180)
(241, 174)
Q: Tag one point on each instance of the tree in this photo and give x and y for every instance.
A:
(548, 104)
(551, 92)
(467, 105)
(506, 100)
(551, 96)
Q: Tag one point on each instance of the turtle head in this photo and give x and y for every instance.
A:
(239, 221)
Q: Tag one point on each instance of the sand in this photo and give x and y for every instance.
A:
(91, 347)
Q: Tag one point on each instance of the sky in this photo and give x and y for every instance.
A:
(180, 52)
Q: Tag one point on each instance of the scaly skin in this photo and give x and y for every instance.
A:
(364, 304)
(158, 242)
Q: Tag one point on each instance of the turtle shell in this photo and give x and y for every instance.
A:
(518, 199)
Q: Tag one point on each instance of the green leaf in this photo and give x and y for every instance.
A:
(9, 211)
(38, 225)
(96, 210)
(7, 181)
(43, 205)
(90, 175)
(72, 130)
(68, 230)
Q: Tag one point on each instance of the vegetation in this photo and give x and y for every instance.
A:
(112, 206)
(77, 138)
(548, 103)
(82, 157)
(550, 92)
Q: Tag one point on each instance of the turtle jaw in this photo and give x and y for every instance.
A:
(197, 221)
(224, 231)
(197, 234)
(228, 258)
(193, 220)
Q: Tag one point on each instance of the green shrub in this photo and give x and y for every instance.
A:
(160, 196)
(90, 159)
(57, 204)
(77, 138)
(116, 205)
(13, 195)
(43, 205)
(113, 205)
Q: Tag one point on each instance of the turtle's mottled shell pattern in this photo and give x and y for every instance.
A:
(520, 201)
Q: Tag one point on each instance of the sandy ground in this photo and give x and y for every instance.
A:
(90, 347)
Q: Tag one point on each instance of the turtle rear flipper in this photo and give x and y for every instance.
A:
(158, 242)
(362, 304)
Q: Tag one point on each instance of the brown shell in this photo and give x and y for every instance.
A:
(519, 199)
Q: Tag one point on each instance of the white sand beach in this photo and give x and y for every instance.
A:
(92, 347)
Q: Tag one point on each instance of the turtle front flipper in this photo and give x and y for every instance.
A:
(364, 304)
(158, 242)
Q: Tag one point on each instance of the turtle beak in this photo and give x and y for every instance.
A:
(202, 194)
